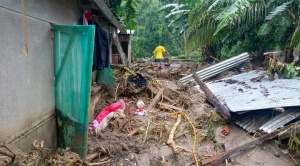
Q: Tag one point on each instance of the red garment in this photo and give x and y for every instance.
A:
(88, 16)
(111, 108)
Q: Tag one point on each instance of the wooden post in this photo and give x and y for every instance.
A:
(110, 50)
(223, 110)
(129, 49)
(119, 47)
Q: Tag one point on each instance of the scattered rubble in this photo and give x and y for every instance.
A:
(180, 124)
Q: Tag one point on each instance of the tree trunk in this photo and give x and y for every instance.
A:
(184, 43)
(207, 51)
(288, 54)
(260, 52)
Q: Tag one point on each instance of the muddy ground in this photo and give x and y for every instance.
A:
(149, 145)
(142, 140)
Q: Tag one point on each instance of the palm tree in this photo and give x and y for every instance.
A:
(219, 20)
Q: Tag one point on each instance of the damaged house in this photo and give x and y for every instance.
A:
(42, 56)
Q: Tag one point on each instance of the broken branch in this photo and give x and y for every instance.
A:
(170, 141)
(147, 131)
(170, 106)
(223, 110)
(92, 156)
(133, 132)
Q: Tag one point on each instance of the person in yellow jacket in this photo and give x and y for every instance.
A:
(158, 54)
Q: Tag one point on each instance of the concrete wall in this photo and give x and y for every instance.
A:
(27, 82)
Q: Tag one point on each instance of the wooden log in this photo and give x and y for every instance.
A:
(222, 109)
(155, 100)
(217, 159)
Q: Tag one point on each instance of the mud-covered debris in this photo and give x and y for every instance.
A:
(64, 157)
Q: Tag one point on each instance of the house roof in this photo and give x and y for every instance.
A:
(101, 9)
(109, 14)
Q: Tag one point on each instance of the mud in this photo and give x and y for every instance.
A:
(141, 140)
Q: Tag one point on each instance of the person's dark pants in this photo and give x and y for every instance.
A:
(160, 63)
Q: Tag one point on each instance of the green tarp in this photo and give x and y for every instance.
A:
(73, 55)
(106, 78)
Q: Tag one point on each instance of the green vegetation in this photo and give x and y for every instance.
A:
(244, 25)
(126, 11)
(152, 30)
(213, 28)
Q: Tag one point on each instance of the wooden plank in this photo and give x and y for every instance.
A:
(223, 110)
(155, 100)
(129, 50)
(154, 91)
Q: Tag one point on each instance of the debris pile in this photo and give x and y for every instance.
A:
(150, 118)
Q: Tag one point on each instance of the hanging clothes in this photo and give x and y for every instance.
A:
(84, 20)
(101, 49)
(87, 18)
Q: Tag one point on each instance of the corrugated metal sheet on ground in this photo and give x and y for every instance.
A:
(280, 120)
(267, 121)
(218, 68)
(240, 94)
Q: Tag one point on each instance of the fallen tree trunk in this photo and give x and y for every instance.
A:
(216, 159)
(223, 110)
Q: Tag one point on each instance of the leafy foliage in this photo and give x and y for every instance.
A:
(126, 11)
(152, 30)
(245, 25)
(294, 143)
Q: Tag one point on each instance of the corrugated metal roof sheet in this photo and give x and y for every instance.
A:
(280, 120)
(251, 122)
(218, 68)
(267, 121)
(240, 94)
